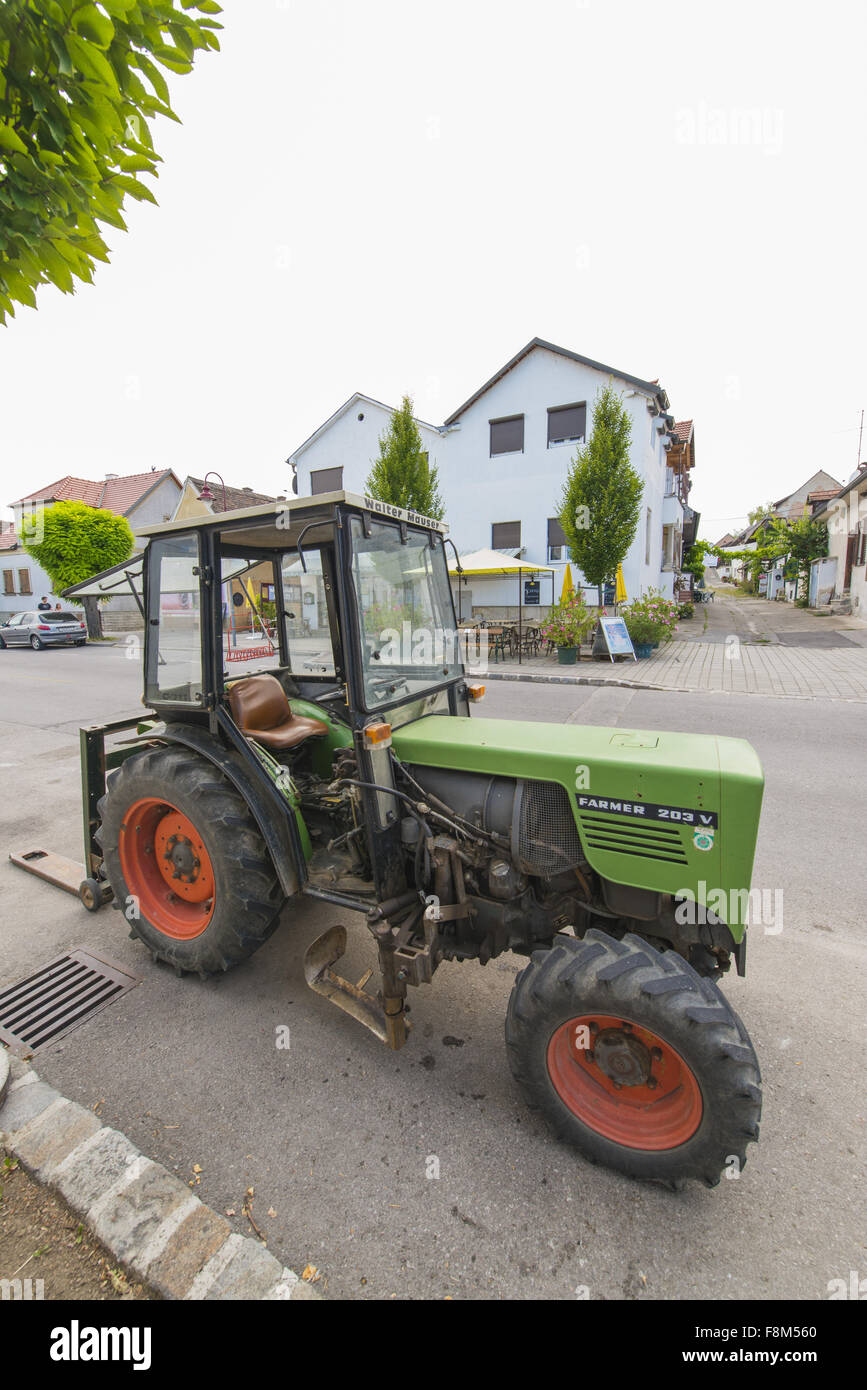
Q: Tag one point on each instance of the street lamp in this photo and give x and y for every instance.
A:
(206, 495)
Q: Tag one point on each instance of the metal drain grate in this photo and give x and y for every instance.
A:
(59, 997)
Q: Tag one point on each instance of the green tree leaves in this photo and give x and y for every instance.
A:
(403, 475)
(601, 503)
(74, 130)
(78, 541)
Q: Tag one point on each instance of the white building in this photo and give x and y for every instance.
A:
(846, 518)
(503, 457)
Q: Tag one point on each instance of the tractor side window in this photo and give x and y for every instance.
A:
(308, 631)
(174, 633)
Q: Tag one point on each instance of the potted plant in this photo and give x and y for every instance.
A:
(650, 620)
(567, 625)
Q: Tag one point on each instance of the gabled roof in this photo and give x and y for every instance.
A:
(236, 498)
(651, 387)
(119, 495)
(821, 479)
(856, 481)
(357, 399)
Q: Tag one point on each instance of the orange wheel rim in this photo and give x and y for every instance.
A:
(625, 1082)
(166, 866)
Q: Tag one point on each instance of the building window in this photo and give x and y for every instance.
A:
(326, 480)
(567, 424)
(507, 436)
(861, 549)
(9, 581)
(24, 582)
(506, 535)
(668, 547)
(556, 540)
(647, 535)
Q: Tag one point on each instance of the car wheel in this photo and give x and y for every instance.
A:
(36, 643)
(82, 643)
(2, 645)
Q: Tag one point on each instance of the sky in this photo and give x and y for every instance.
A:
(394, 196)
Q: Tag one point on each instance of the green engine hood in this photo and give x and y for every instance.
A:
(674, 813)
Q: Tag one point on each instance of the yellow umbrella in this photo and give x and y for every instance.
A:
(620, 593)
(568, 586)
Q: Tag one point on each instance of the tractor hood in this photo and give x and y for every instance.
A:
(675, 813)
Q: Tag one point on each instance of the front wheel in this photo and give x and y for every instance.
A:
(634, 1059)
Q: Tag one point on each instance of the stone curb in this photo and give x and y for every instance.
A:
(667, 689)
(144, 1215)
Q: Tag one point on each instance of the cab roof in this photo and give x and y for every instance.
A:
(310, 506)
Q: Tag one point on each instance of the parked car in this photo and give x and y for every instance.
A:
(38, 630)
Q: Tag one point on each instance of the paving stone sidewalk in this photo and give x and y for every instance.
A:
(747, 646)
(144, 1215)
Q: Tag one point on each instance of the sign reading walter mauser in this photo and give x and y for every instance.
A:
(373, 504)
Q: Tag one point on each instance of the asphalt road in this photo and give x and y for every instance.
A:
(335, 1135)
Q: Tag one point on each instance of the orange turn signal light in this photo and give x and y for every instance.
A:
(377, 736)
(475, 692)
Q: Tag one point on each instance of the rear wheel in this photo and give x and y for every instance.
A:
(634, 1059)
(36, 643)
(186, 861)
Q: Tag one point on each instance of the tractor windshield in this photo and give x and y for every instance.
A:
(405, 612)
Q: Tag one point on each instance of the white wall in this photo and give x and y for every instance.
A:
(479, 490)
(526, 487)
(353, 444)
(40, 584)
(159, 505)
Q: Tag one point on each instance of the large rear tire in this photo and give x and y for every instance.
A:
(634, 1059)
(186, 862)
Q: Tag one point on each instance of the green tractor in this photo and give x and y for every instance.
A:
(309, 734)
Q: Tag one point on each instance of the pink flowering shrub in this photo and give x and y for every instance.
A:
(651, 618)
(569, 622)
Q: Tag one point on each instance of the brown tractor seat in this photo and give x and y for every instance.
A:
(261, 710)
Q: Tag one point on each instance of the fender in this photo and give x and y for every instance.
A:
(279, 832)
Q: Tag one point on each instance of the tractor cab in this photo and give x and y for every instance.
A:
(331, 597)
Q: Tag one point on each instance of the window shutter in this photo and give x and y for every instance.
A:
(507, 436)
(24, 582)
(567, 422)
(556, 534)
(506, 535)
(326, 480)
(9, 581)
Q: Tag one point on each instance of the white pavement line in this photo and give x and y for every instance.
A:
(211, 1272)
(153, 1248)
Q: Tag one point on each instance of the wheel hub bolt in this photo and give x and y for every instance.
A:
(656, 1054)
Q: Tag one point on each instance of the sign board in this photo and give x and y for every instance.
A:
(612, 639)
(531, 591)
(763, 584)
